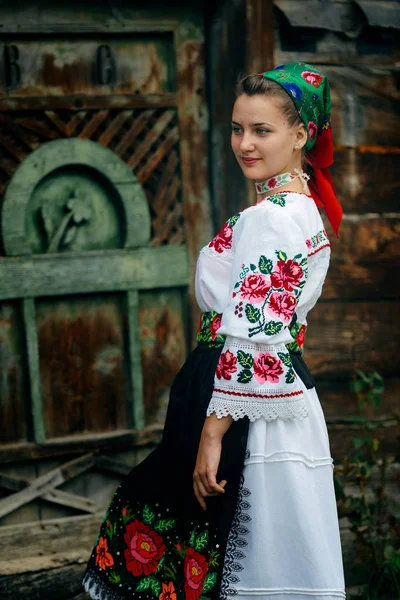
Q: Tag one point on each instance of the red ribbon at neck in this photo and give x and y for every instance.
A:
(321, 184)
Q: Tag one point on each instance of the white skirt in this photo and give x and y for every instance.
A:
(284, 541)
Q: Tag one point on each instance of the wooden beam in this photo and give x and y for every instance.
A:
(67, 446)
(259, 36)
(110, 465)
(60, 497)
(46, 482)
(136, 376)
(32, 353)
(98, 271)
(81, 102)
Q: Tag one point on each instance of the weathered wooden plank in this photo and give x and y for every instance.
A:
(79, 102)
(32, 355)
(45, 483)
(366, 178)
(364, 261)
(341, 437)
(136, 128)
(339, 403)
(259, 35)
(345, 336)
(157, 156)
(136, 377)
(151, 137)
(60, 497)
(193, 125)
(102, 442)
(97, 271)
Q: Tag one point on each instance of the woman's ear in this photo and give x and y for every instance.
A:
(301, 136)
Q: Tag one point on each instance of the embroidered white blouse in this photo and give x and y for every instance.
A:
(264, 271)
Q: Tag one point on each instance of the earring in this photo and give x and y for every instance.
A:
(297, 146)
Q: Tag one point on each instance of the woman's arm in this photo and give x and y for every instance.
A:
(208, 457)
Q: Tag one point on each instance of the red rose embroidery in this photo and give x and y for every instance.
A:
(254, 288)
(272, 182)
(145, 548)
(313, 129)
(103, 558)
(312, 78)
(300, 336)
(282, 305)
(215, 325)
(287, 274)
(195, 569)
(226, 365)
(223, 239)
(267, 368)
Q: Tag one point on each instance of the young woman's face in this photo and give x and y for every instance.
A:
(262, 140)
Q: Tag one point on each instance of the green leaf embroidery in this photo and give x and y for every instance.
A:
(278, 199)
(265, 265)
(161, 564)
(245, 376)
(253, 267)
(290, 376)
(245, 360)
(281, 255)
(252, 314)
(237, 285)
(145, 584)
(233, 220)
(156, 587)
(148, 515)
(297, 256)
(209, 582)
(164, 525)
(301, 284)
(303, 262)
(114, 577)
(201, 541)
(192, 538)
(285, 358)
(170, 573)
(273, 327)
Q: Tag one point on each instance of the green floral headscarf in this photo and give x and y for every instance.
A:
(309, 89)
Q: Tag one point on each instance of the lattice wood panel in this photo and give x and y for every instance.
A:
(146, 139)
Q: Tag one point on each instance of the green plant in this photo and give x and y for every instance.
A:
(368, 508)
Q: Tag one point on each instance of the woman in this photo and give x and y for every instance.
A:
(238, 500)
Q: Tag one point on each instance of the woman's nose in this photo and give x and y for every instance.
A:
(247, 144)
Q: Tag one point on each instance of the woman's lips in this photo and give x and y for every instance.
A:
(250, 161)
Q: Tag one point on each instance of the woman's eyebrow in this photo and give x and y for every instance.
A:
(254, 124)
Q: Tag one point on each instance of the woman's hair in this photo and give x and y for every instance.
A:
(254, 84)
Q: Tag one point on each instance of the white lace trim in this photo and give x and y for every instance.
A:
(97, 589)
(253, 409)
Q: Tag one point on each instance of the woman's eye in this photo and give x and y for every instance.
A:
(261, 131)
(236, 130)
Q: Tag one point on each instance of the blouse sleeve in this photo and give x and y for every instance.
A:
(255, 375)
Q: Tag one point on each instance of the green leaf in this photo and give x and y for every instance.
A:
(145, 584)
(237, 285)
(192, 539)
(253, 267)
(301, 284)
(156, 587)
(265, 265)
(303, 262)
(209, 582)
(245, 376)
(148, 515)
(164, 525)
(170, 573)
(281, 255)
(285, 358)
(233, 220)
(278, 199)
(161, 564)
(245, 360)
(297, 257)
(290, 376)
(201, 541)
(114, 577)
(273, 327)
(252, 314)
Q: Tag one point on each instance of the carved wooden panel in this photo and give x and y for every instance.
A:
(146, 139)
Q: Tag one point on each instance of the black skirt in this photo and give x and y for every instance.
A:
(155, 541)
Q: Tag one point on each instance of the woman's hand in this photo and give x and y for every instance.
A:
(208, 457)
